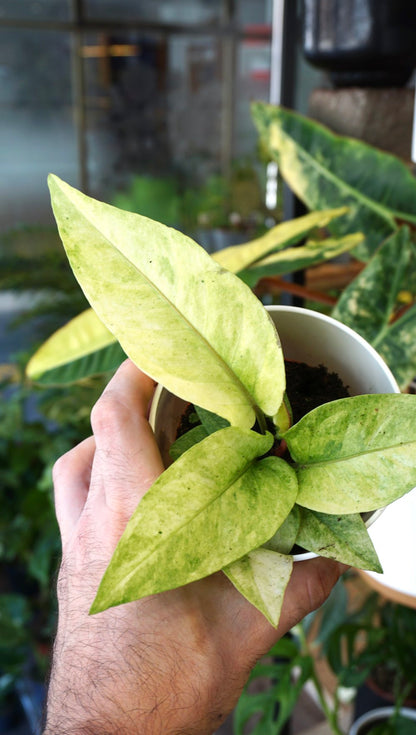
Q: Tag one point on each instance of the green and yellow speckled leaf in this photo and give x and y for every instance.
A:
(185, 527)
(398, 347)
(262, 577)
(158, 292)
(285, 537)
(326, 170)
(356, 454)
(368, 303)
(81, 348)
(238, 257)
(300, 257)
(344, 538)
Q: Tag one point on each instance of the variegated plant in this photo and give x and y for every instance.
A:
(189, 322)
(379, 190)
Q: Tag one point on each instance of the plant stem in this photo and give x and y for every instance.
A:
(330, 714)
(261, 420)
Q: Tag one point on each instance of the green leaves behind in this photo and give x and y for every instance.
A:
(237, 258)
(272, 705)
(369, 302)
(341, 537)
(181, 318)
(326, 170)
(300, 257)
(285, 537)
(81, 348)
(185, 526)
(210, 423)
(356, 454)
(186, 441)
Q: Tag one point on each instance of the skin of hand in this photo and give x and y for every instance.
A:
(171, 663)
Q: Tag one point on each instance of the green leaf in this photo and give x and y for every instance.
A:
(366, 304)
(285, 537)
(184, 528)
(102, 361)
(186, 441)
(263, 574)
(369, 302)
(138, 276)
(398, 348)
(210, 421)
(356, 454)
(274, 705)
(344, 538)
(262, 577)
(300, 257)
(326, 170)
(238, 257)
(81, 348)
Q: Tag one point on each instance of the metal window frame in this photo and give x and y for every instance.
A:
(226, 30)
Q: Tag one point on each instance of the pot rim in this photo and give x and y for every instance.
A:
(342, 328)
(378, 714)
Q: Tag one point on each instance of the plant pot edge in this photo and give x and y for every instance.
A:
(380, 713)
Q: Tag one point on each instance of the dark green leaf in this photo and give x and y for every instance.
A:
(326, 170)
(344, 538)
(210, 421)
(186, 441)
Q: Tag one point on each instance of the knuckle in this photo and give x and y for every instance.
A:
(61, 466)
(108, 413)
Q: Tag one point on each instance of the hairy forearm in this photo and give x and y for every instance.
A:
(90, 697)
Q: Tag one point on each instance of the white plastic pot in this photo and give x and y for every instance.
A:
(306, 336)
(376, 716)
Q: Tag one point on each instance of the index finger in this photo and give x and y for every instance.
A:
(127, 459)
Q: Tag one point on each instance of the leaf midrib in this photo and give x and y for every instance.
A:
(228, 369)
(189, 520)
(335, 460)
(387, 214)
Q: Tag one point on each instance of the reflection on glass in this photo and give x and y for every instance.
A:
(36, 10)
(157, 101)
(161, 11)
(252, 83)
(36, 124)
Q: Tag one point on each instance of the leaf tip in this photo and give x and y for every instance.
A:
(97, 606)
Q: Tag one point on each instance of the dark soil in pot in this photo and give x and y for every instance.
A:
(307, 388)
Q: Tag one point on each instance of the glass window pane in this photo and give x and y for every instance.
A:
(154, 105)
(36, 122)
(36, 10)
(252, 83)
(254, 12)
(162, 11)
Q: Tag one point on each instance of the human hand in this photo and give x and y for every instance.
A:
(170, 663)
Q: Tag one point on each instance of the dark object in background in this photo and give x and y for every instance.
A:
(364, 43)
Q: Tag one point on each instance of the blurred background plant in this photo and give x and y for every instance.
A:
(218, 211)
(36, 427)
(366, 644)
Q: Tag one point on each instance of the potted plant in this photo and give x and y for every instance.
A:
(372, 649)
(201, 332)
(385, 721)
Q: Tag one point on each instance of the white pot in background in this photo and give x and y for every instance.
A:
(378, 716)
